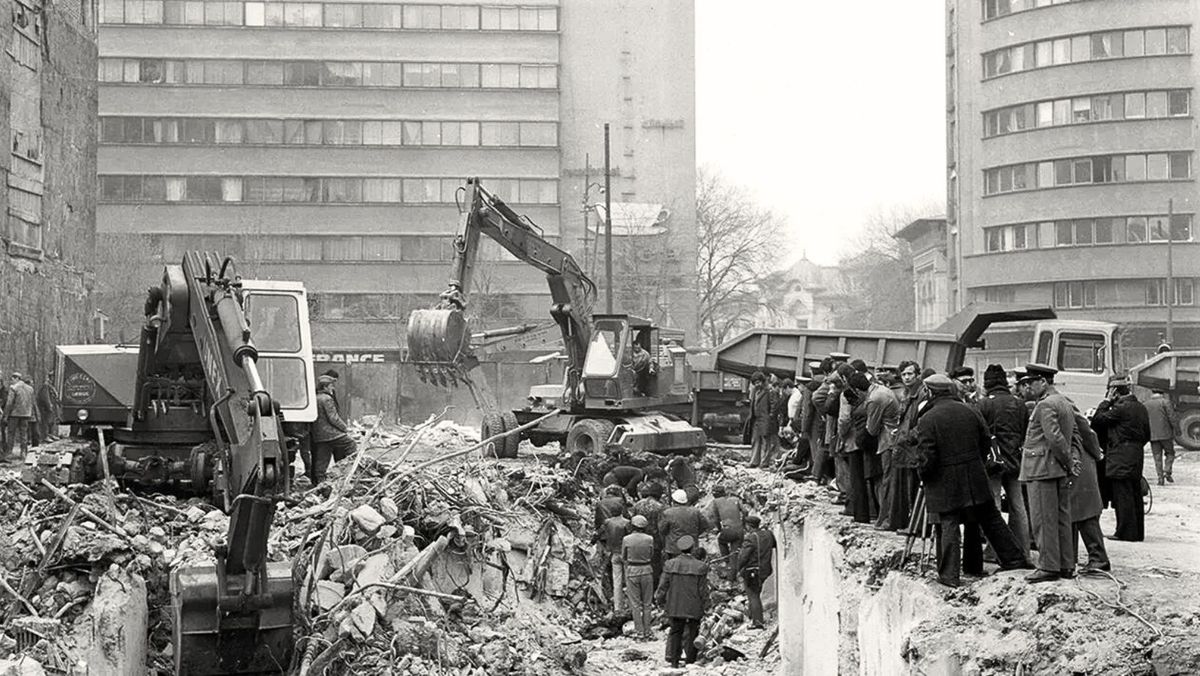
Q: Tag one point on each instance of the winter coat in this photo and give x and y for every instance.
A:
(755, 554)
(677, 521)
(1007, 418)
(725, 514)
(825, 401)
(652, 509)
(1124, 425)
(684, 587)
(955, 440)
(608, 507)
(1046, 451)
(1086, 502)
(763, 406)
(883, 414)
(612, 532)
(20, 400)
(1163, 419)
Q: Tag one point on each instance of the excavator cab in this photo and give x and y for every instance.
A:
(630, 364)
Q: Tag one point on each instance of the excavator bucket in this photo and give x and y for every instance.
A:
(439, 344)
(220, 631)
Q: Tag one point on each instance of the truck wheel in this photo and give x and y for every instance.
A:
(493, 424)
(1189, 430)
(512, 441)
(589, 436)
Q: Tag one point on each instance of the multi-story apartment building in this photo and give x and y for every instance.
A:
(1072, 158)
(47, 115)
(326, 142)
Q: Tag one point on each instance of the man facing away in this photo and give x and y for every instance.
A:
(19, 412)
(684, 593)
(1163, 422)
(637, 555)
(331, 441)
(754, 564)
(955, 440)
(678, 520)
(1007, 417)
(726, 513)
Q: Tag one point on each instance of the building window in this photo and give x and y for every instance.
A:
(1084, 109)
(328, 73)
(1088, 170)
(1086, 47)
(1156, 292)
(1069, 295)
(423, 17)
(1011, 237)
(329, 190)
(1088, 231)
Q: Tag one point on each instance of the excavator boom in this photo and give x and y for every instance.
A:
(439, 338)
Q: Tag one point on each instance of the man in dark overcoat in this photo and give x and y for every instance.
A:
(954, 440)
(1124, 424)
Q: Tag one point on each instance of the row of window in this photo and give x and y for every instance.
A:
(995, 8)
(1088, 170)
(277, 189)
(329, 15)
(1087, 47)
(329, 73)
(331, 249)
(1088, 231)
(1084, 109)
(1073, 295)
(326, 132)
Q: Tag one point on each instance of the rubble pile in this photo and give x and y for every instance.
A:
(469, 566)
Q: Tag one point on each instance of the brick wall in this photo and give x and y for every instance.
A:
(48, 200)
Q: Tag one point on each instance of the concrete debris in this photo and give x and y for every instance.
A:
(471, 566)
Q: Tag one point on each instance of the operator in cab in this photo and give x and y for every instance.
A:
(642, 368)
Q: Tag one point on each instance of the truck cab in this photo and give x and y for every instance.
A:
(1083, 353)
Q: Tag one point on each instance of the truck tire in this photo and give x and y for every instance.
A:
(588, 436)
(512, 441)
(493, 424)
(1189, 429)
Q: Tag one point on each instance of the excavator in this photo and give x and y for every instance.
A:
(619, 369)
(209, 403)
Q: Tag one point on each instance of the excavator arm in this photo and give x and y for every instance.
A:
(234, 616)
(438, 339)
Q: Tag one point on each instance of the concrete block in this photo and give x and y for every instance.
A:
(111, 634)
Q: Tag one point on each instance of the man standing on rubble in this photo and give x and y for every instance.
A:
(19, 413)
(684, 593)
(678, 521)
(726, 513)
(330, 439)
(754, 564)
(612, 504)
(650, 507)
(611, 536)
(637, 555)
(684, 476)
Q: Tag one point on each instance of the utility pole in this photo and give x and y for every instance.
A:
(1170, 272)
(587, 184)
(608, 274)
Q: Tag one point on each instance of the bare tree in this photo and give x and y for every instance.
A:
(737, 241)
(877, 274)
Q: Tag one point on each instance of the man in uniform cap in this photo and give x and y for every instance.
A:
(684, 593)
(1123, 424)
(678, 520)
(841, 357)
(1046, 470)
(637, 553)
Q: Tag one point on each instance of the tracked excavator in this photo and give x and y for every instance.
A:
(208, 403)
(619, 368)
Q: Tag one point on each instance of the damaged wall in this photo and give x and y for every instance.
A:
(48, 117)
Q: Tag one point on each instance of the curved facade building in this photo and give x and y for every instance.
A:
(1071, 150)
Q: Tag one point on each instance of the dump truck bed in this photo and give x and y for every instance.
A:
(1175, 371)
(785, 351)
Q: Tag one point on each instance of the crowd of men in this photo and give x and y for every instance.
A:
(653, 552)
(26, 416)
(910, 449)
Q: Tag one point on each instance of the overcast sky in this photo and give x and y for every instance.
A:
(827, 111)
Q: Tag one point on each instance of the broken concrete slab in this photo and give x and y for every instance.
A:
(111, 633)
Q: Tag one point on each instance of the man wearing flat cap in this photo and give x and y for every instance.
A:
(954, 439)
(1046, 469)
(1123, 424)
(683, 592)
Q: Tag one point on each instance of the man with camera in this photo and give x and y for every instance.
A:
(1123, 424)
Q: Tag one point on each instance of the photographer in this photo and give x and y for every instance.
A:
(1123, 423)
